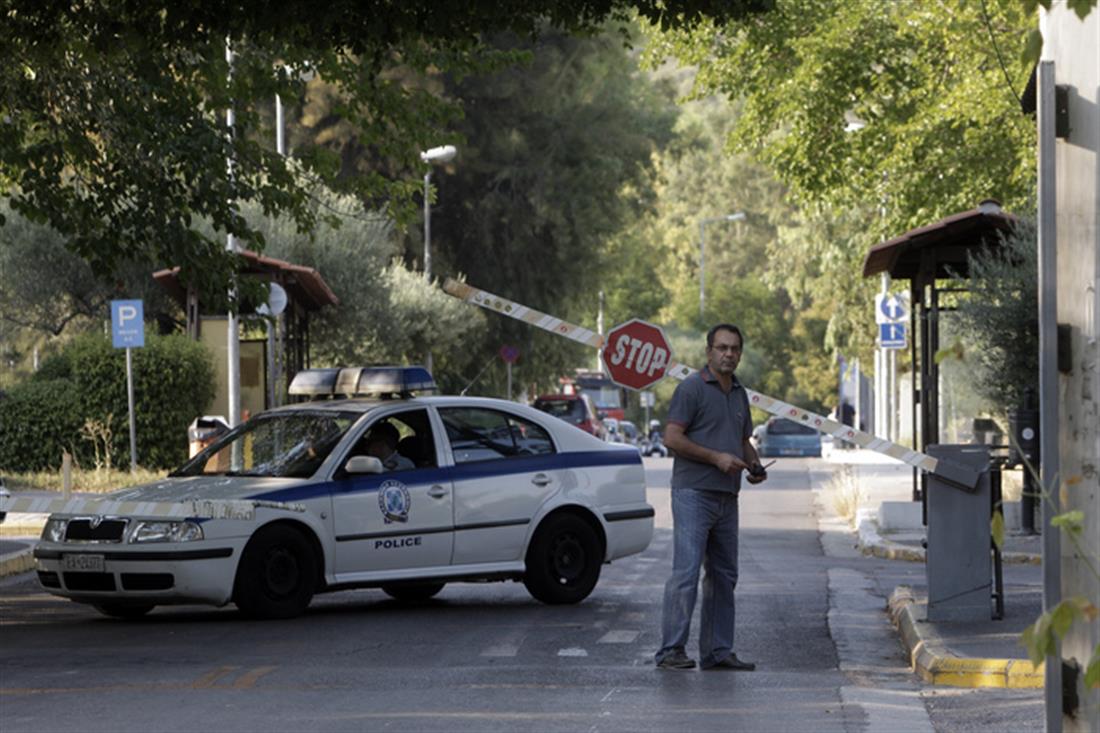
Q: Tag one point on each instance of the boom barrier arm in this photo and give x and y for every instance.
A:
(953, 472)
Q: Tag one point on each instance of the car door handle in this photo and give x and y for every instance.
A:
(540, 479)
(437, 492)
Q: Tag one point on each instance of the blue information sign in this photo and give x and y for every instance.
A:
(127, 324)
(891, 335)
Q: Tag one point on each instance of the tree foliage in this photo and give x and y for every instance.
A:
(113, 112)
(998, 321)
(877, 117)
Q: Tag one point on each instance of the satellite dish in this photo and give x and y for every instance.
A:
(276, 301)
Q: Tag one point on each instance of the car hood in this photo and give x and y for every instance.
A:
(190, 488)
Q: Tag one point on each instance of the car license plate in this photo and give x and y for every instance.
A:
(82, 563)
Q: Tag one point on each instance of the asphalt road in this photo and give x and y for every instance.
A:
(484, 656)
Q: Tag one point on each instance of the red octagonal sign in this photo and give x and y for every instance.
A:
(636, 354)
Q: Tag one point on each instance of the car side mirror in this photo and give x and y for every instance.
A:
(364, 464)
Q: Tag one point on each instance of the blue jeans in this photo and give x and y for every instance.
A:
(704, 531)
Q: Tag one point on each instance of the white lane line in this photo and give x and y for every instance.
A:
(619, 636)
(507, 645)
(572, 651)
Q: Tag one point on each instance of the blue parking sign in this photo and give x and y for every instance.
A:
(891, 335)
(127, 324)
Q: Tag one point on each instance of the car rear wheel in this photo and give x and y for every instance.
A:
(563, 561)
(412, 591)
(124, 610)
(277, 574)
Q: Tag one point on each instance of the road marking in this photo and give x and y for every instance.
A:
(572, 651)
(619, 636)
(248, 679)
(507, 645)
(208, 679)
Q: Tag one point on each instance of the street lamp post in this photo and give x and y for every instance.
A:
(432, 156)
(739, 216)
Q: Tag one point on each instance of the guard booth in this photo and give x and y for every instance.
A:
(935, 261)
(267, 363)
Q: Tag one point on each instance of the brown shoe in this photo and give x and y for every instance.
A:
(732, 663)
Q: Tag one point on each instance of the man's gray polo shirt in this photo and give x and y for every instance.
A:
(713, 419)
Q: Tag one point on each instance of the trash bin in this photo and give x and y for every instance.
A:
(205, 430)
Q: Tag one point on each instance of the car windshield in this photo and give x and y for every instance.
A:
(783, 426)
(284, 444)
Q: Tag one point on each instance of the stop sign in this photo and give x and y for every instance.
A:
(636, 354)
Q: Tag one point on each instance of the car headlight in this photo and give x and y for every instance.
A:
(175, 531)
(54, 531)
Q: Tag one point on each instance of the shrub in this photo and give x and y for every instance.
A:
(173, 383)
(37, 420)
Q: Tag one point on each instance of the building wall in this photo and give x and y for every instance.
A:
(1074, 46)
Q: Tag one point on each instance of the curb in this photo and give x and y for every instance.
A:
(872, 543)
(17, 562)
(936, 664)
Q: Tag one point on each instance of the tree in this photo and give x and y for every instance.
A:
(113, 111)
(555, 167)
(878, 117)
(997, 323)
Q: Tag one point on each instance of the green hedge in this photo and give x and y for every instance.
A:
(173, 384)
(37, 420)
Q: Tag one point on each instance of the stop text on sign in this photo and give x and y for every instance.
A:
(636, 354)
(643, 358)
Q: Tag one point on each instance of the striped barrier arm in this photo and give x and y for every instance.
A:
(198, 509)
(953, 472)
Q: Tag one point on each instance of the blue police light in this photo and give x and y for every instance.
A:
(353, 381)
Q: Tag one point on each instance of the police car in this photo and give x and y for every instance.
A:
(365, 485)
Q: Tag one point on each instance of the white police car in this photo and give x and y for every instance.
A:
(295, 502)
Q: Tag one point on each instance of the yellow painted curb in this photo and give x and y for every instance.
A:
(936, 664)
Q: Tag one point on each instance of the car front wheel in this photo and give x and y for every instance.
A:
(277, 574)
(563, 561)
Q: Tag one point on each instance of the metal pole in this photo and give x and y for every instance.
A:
(280, 133)
(233, 338)
(702, 266)
(599, 329)
(508, 395)
(1048, 384)
(428, 243)
(130, 402)
(427, 226)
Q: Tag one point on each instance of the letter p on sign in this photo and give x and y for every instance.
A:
(636, 354)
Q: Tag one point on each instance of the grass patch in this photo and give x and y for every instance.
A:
(844, 494)
(94, 481)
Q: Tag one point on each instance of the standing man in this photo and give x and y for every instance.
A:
(708, 429)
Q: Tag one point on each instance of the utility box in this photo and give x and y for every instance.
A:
(958, 561)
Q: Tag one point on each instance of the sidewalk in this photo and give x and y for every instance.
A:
(985, 653)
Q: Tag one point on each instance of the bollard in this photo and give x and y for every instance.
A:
(66, 473)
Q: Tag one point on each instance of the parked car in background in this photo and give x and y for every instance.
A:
(575, 409)
(4, 494)
(782, 437)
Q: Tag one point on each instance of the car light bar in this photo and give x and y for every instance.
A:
(351, 381)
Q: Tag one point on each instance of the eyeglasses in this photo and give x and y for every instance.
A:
(723, 348)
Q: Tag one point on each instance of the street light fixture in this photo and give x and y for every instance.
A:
(432, 156)
(739, 216)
